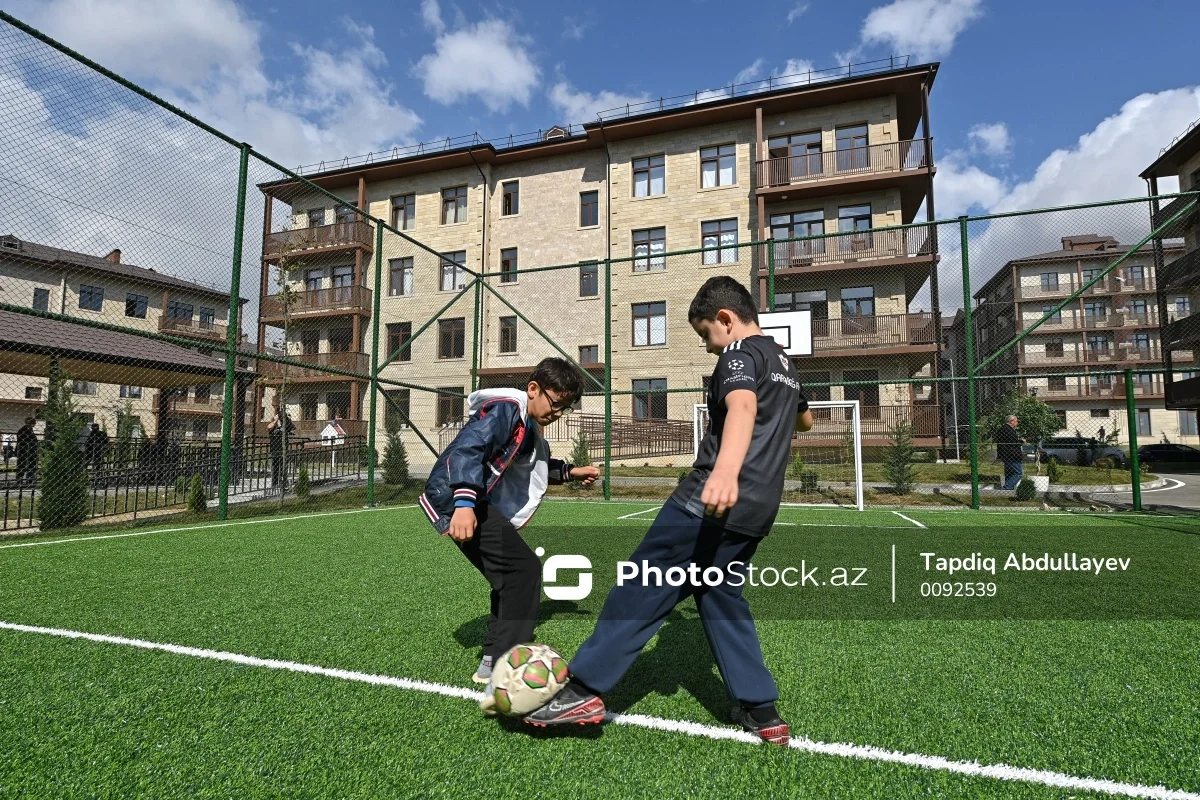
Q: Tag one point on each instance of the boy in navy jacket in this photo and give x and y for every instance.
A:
(489, 482)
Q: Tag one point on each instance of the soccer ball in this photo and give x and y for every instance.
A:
(523, 679)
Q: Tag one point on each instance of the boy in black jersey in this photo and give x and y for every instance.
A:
(718, 515)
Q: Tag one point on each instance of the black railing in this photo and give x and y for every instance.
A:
(841, 163)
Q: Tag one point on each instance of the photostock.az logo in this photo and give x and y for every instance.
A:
(564, 562)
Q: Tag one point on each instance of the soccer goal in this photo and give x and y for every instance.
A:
(826, 465)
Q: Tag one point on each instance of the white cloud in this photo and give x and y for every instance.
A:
(487, 59)
(991, 139)
(431, 13)
(797, 11)
(576, 27)
(961, 188)
(582, 106)
(925, 29)
(749, 73)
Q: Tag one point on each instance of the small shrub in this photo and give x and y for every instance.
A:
(1104, 462)
(395, 461)
(898, 467)
(796, 467)
(581, 456)
(1054, 470)
(197, 500)
(303, 486)
(181, 485)
(1025, 490)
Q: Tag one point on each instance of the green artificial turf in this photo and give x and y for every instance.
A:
(379, 592)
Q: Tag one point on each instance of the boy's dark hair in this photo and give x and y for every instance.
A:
(722, 292)
(558, 375)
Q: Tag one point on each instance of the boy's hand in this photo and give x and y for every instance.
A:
(462, 524)
(720, 493)
(586, 475)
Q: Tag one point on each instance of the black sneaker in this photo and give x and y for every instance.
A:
(762, 722)
(572, 705)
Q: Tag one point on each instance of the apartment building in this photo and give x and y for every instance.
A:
(1179, 334)
(1114, 325)
(837, 156)
(108, 290)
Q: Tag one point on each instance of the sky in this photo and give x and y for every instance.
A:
(1036, 103)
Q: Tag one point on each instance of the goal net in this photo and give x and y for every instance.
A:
(826, 463)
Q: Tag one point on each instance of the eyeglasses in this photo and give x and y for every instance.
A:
(560, 407)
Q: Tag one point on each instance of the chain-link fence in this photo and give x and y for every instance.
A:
(187, 323)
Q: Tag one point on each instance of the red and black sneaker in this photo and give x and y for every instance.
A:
(763, 722)
(573, 705)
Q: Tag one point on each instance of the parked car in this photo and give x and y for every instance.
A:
(1080, 450)
(1169, 457)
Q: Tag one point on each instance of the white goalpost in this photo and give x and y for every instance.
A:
(826, 465)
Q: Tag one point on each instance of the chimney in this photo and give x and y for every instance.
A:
(114, 256)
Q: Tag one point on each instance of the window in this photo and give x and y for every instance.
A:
(511, 202)
(33, 393)
(454, 205)
(337, 405)
(1061, 416)
(855, 220)
(650, 398)
(341, 340)
(508, 334)
(814, 301)
(1183, 306)
(589, 209)
(316, 217)
(1099, 413)
(208, 318)
(717, 166)
(313, 279)
(1138, 309)
(1054, 348)
(180, 311)
(398, 334)
(84, 387)
(1187, 423)
(91, 298)
(1102, 382)
(1134, 277)
(1140, 342)
(131, 392)
(449, 406)
(310, 342)
(508, 265)
(649, 324)
(589, 354)
(1089, 275)
(722, 235)
(1098, 343)
(452, 337)
(1049, 281)
(343, 279)
(1056, 383)
(1055, 318)
(858, 302)
(648, 246)
(135, 305)
(1095, 311)
(41, 300)
(589, 280)
(404, 212)
(308, 407)
(345, 215)
(793, 157)
(454, 277)
(400, 277)
(792, 226)
(852, 147)
(1143, 422)
(649, 176)
(396, 409)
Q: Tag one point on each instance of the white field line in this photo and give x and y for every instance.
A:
(910, 519)
(261, 521)
(638, 513)
(1002, 772)
(1178, 485)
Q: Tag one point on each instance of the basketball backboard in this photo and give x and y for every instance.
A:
(792, 329)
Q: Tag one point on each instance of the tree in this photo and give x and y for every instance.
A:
(1036, 419)
(898, 467)
(63, 477)
(581, 456)
(197, 500)
(395, 460)
(303, 485)
(124, 448)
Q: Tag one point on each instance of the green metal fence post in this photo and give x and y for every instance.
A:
(476, 350)
(771, 274)
(1135, 468)
(972, 427)
(231, 337)
(608, 379)
(371, 455)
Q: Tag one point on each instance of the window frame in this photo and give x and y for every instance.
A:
(94, 296)
(589, 347)
(650, 261)
(401, 398)
(509, 264)
(457, 274)
(445, 414)
(128, 392)
(406, 276)
(456, 195)
(401, 332)
(140, 303)
(175, 307)
(592, 269)
(721, 253)
(713, 155)
(408, 204)
(452, 338)
(649, 313)
(44, 295)
(649, 397)
(595, 207)
(507, 338)
(646, 166)
(510, 199)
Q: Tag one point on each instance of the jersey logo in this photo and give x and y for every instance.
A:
(783, 360)
(737, 364)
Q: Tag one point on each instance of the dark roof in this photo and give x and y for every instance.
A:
(1186, 145)
(87, 353)
(55, 256)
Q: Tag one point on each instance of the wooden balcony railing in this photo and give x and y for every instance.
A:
(876, 421)
(1116, 354)
(1183, 272)
(888, 330)
(339, 236)
(338, 298)
(193, 328)
(1086, 323)
(359, 363)
(633, 437)
(915, 242)
(1171, 209)
(1085, 387)
(872, 159)
(213, 404)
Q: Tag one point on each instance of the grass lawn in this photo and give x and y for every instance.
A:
(377, 592)
(989, 473)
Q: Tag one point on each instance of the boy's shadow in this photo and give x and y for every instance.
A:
(470, 634)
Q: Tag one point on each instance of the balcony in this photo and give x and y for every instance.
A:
(193, 328)
(1172, 208)
(874, 159)
(1083, 387)
(355, 235)
(1118, 354)
(319, 302)
(888, 247)
(877, 422)
(316, 366)
(1088, 323)
(213, 404)
(848, 336)
(1183, 272)
(311, 428)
